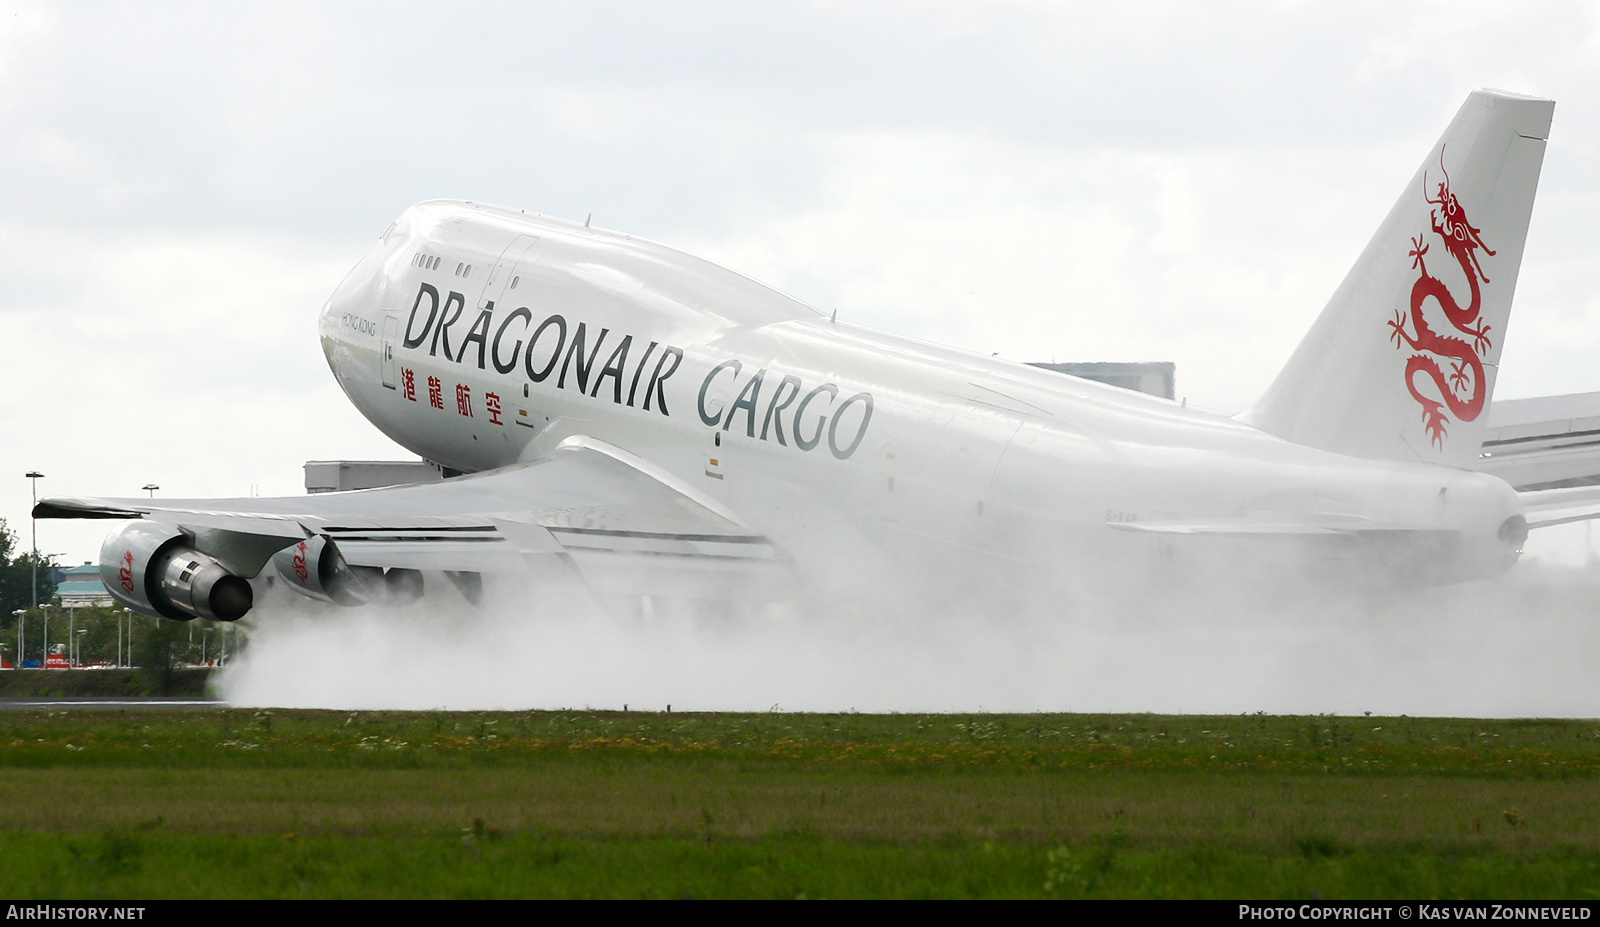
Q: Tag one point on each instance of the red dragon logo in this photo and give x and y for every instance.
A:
(299, 561)
(1463, 390)
(125, 574)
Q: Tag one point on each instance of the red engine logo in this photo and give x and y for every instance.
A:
(1463, 390)
(126, 573)
(300, 561)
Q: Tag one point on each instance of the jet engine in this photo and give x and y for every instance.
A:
(315, 568)
(155, 569)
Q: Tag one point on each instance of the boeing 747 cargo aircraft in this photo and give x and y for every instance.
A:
(615, 413)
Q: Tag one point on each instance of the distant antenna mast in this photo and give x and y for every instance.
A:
(835, 316)
(586, 219)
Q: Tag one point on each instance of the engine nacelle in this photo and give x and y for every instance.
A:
(315, 568)
(155, 570)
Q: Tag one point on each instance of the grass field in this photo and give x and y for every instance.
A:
(290, 804)
(102, 683)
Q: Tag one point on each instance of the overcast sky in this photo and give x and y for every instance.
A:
(181, 186)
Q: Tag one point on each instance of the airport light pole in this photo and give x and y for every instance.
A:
(79, 661)
(22, 619)
(150, 488)
(44, 655)
(34, 476)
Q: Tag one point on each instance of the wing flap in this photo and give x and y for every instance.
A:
(415, 555)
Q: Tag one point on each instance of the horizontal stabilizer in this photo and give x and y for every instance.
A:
(1548, 442)
(1545, 507)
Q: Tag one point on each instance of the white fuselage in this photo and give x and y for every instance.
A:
(479, 337)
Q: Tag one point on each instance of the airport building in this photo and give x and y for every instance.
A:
(342, 475)
(80, 586)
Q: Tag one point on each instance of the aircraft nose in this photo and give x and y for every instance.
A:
(349, 306)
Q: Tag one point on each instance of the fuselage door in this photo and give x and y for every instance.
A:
(503, 275)
(391, 326)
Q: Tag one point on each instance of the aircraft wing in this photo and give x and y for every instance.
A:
(624, 525)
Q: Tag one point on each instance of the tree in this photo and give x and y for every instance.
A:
(157, 653)
(16, 577)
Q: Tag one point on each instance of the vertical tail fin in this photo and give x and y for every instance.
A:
(1401, 363)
